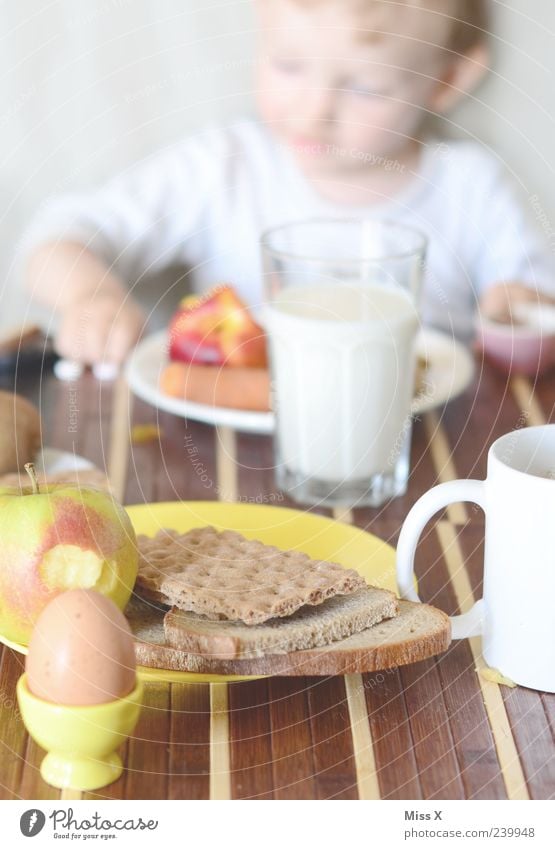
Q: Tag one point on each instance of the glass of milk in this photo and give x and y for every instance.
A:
(341, 314)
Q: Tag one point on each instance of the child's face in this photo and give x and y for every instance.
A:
(338, 100)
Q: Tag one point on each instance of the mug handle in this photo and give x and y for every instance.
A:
(468, 624)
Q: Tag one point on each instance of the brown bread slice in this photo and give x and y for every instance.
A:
(308, 628)
(417, 632)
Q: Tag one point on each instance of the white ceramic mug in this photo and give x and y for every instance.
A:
(516, 616)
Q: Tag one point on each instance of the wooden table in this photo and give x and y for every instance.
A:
(434, 730)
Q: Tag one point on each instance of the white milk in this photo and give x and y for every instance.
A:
(342, 365)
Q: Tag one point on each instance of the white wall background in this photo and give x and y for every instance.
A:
(88, 85)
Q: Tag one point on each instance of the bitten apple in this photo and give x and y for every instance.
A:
(217, 329)
(59, 538)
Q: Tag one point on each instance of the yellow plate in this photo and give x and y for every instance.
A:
(319, 537)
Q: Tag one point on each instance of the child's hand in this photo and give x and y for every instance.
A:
(499, 301)
(102, 328)
(98, 320)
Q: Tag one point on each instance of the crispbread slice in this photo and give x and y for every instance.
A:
(417, 632)
(223, 575)
(307, 628)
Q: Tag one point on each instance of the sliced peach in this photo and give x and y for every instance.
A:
(217, 329)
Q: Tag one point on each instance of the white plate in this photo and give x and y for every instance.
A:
(450, 370)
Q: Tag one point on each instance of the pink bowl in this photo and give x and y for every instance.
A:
(526, 348)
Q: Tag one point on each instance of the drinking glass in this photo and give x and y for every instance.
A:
(341, 314)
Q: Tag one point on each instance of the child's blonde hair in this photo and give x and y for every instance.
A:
(467, 20)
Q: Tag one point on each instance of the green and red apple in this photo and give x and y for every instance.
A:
(58, 538)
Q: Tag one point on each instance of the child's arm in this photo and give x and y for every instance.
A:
(84, 251)
(98, 319)
(514, 261)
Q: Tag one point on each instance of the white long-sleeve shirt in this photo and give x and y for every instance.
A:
(204, 202)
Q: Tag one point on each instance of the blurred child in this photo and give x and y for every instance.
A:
(344, 90)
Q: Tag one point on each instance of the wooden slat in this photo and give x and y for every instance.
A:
(220, 758)
(506, 748)
(396, 765)
(96, 403)
(343, 514)
(393, 726)
(463, 706)
(183, 459)
(143, 464)
(147, 759)
(507, 753)
(255, 469)
(251, 741)
(13, 736)
(548, 700)
(363, 747)
(363, 752)
(70, 794)
(442, 456)
(293, 757)
(220, 778)
(525, 397)
(116, 790)
(177, 465)
(545, 397)
(535, 705)
(334, 764)
(434, 745)
(434, 738)
(189, 765)
(473, 423)
(57, 399)
(119, 437)
(532, 732)
(226, 464)
(525, 708)
(255, 473)
(32, 786)
(474, 743)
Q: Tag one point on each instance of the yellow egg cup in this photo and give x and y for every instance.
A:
(81, 741)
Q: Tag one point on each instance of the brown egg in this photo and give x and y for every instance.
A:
(81, 651)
